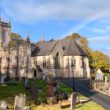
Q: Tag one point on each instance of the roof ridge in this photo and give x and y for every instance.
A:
(54, 46)
(69, 45)
(78, 47)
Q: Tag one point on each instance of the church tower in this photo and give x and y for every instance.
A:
(5, 33)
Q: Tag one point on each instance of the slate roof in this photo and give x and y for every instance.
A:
(43, 48)
(4, 24)
(68, 46)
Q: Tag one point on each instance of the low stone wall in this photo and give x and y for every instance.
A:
(101, 87)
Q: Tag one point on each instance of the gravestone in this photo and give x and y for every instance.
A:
(44, 77)
(34, 93)
(26, 82)
(50, 87)
(109, 90)
(99, 75)
(3, 105)
(73, 101)
(2, 78)
(20, 101)
(106, 79)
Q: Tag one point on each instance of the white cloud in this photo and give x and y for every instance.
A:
(33, 10)
(100, 43)
(100, 40)
(103, 30)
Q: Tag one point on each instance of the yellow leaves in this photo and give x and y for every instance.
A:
(73, 36)
(99, 60)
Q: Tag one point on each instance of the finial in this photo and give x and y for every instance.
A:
(28, 39)
(28, 35)
(9, 20)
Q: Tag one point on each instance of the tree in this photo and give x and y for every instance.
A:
(83, 42)
(73, 36)
(99, 60)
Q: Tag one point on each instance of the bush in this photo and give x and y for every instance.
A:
(65, 96)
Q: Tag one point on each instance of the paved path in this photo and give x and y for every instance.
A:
(101, 99)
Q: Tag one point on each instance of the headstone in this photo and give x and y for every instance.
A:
(26, 82)
(109, 90)
(44, 77)
(28, 108)
(2, 79)
(99, 75)
(20, 102)
(50, 87)
(106, 79)
(3, 105)
(34, 93)
(73, 101)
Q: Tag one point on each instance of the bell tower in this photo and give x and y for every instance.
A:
(5, 33)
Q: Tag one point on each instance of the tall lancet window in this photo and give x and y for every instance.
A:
(4, 62)
(4, 36)
(48, 63)
(57, 61)
(84, 63)
(73, 62)
(44, 62)
(67, 63)
(14, 60)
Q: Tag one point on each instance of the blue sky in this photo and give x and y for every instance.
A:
(58, 18)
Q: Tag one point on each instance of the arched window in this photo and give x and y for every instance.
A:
(57, 60)
(5, 61)
(14, 60)
(44, 62)
(36, 61)
(73, 62)
(4, 36)
(84, 62)
(67, 63)
(81, 62)
(48, 62)
(35, 74)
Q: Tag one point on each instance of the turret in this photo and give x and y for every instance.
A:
(9, 23)
(28, 40)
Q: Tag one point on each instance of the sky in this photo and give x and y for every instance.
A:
(55, 19)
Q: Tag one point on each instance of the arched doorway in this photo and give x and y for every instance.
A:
(35, 73)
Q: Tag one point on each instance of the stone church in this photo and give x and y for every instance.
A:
(59, 58)
(15, 61)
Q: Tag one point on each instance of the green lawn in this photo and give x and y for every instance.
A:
(65, 89)
(10, 90)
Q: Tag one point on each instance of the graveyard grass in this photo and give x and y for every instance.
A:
(12, 88)
(87, 106)
(9, 90)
